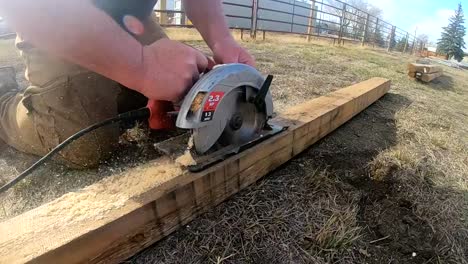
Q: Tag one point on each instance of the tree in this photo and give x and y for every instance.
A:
(424, 40)
(400, 45)
(378, 37)
(354, 18)
(451, 42)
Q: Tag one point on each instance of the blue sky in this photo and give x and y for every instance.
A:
(429, 16)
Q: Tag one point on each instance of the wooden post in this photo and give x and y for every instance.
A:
(343, 17)
(253, 26)
(242, 34)
(311, 25)
(292, 16)
(183, 17)
(264, 33)
(163, 14)
(366, 28)
(406, 43)
(390, 40)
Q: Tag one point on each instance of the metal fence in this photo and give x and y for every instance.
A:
(332, 19)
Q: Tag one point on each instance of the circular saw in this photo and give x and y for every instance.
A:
(226, 111)
(227, 106)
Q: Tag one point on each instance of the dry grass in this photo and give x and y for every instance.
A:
(391, 186)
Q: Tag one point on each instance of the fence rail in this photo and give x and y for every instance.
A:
(332, 19)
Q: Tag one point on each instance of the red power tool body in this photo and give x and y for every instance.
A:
(159, 118)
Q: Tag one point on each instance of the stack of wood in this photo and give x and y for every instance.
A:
(424, 72)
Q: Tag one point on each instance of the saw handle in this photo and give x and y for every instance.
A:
(160, 117)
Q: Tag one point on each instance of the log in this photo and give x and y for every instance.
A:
(119, 216)
(423, 68)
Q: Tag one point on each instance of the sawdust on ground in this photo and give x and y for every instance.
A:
(86, 209)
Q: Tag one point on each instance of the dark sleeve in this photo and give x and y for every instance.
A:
(117, 9)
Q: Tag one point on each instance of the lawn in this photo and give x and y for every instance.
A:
(390, 186)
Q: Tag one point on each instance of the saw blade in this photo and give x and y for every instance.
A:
(244, 124)
(241, 124)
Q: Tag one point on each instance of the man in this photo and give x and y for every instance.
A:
(78, 56)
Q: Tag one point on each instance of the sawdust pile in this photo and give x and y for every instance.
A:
(186, 159)
(63, 219)
(94, 201)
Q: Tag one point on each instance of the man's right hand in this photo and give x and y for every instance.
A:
(170, 68)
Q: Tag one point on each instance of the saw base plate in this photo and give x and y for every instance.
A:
(177, 146)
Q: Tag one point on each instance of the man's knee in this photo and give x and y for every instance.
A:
(43, 117)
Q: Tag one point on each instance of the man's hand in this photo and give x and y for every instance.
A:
(229, 51)
(207, 16)
(170, 68)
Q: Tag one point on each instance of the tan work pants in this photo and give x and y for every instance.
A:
(61, 100)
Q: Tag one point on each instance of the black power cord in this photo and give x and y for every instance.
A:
(142, 113)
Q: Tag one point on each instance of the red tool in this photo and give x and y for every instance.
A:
(159, 118)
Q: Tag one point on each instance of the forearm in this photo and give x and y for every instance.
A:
(208, 17)
(78, 32)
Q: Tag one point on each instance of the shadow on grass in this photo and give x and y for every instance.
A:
(350, 148)
(443, 83)
(388, 208)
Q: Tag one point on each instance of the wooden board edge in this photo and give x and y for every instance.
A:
(140, 228)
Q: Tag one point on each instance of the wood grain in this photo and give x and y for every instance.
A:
(150, 215)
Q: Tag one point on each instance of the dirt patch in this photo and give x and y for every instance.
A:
(393, 225)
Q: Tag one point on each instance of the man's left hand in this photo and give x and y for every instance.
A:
(229, 51)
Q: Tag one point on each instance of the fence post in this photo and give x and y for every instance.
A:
(366, 28)
(343, 17)
(253, 26)
(163, 14)
(292, 16)
(311, 20)
(406, 43)
(390, 40)
(376, 30)
(414, 44)
(183, 17)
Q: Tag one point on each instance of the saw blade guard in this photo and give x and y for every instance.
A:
(207, 107)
